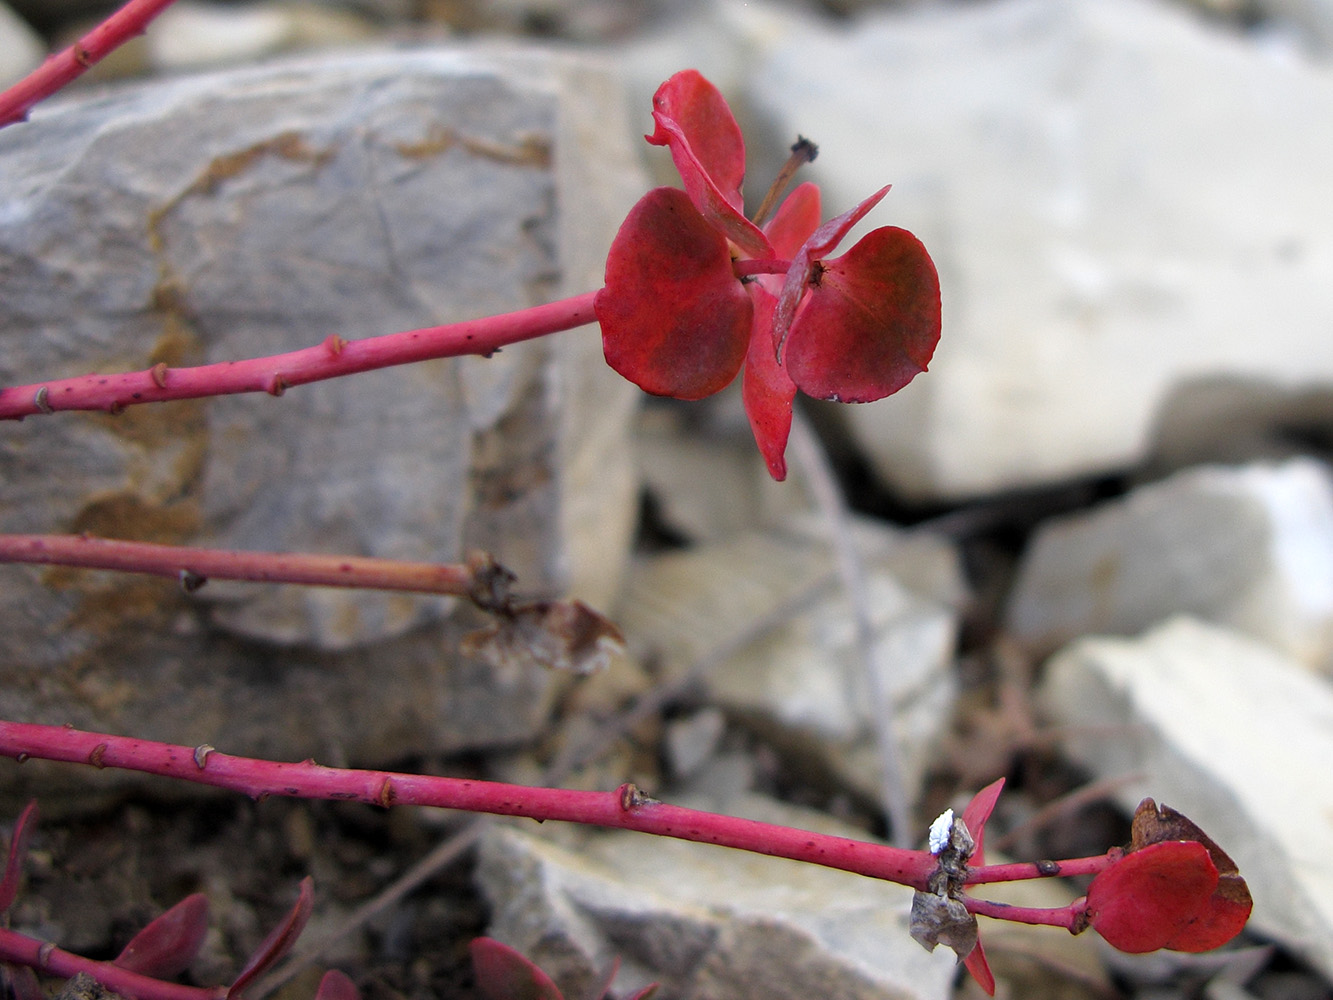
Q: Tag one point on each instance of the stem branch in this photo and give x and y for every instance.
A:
(63, 67)
(195, 566)
(275, 373)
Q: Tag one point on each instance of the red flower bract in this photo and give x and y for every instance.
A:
(681, 313)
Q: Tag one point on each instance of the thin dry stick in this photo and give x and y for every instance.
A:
(63, 67)
(1055, 809)
(812, 460)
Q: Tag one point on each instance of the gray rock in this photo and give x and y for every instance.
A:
(1232, 734)
(704, 921)
(251, 212)
(1123, 201)
(767, 615)
(1250, 547)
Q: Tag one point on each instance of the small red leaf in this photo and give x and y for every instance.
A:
(706, 145)
(168, 945)
(766, 391)
(18, 851)
(335, 985)
(278, 942)
(976, 963)
(1149, 897)
(977, 813)
(505, 974)
(675, 318)
(871, 323)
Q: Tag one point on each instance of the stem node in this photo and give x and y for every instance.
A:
(41, 401)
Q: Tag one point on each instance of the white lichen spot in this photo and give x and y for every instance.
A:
(940, 831)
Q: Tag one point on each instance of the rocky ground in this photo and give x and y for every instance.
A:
(1096, 540)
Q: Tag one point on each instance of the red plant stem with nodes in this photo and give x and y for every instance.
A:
(63, 67)
(276, 373)
(194, 566)
(19, 949)
(626, 808)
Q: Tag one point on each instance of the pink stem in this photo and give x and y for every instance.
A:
(194, 566)
(747, 266)
(1021, 870)
(1067, 917)
(626, 808)
(23, 950)
(63, 67)
(274, 374)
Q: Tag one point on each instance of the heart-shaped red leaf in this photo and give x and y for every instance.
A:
(706, 145)
(871, 322)
(766, 390)
(168, 945)
(675, 319)
(1229, 907)
(505, 974)
(1148, 898)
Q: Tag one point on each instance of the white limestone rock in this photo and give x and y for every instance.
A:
(250, 212)
(21, 48)
(1250, 547)
(771, 606)
(704, 921)
(1232, 734)
(1123, 200)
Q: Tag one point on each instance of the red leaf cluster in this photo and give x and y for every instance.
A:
(682, 313)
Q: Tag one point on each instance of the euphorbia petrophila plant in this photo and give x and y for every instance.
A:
(695, 291)
(1171, 888)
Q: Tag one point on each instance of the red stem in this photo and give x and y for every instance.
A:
(274, 374)
(1019, 871)
(1067, 917)
(63, 67)
(194, 566)
(23, 950)
(626, 808)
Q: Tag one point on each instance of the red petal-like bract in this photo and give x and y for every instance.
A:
(278, 942)
(706, 145)
(504, 974)
(675, 319)
(871, 323)
(168, 945)
(766, 390)
(1148, 898)
(820, 244)
(975, 815)
(796, 218)
(976, 964)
